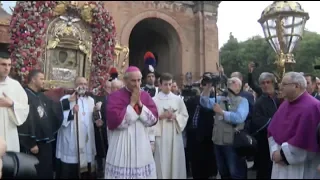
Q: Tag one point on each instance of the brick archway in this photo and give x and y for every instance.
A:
(127, 29)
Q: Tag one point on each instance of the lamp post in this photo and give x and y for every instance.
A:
(117, 63)
(283, 25)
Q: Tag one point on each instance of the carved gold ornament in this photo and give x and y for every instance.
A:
(61, 8)
(83, 47)
(74, 3)
(86, 12)
(120, 64)
(53, 43)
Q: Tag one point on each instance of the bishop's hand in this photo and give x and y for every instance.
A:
(5, 101)
(135, 97)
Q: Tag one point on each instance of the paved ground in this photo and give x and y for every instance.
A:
(251, 175)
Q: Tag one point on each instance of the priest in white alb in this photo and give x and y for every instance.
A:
(67, 149)
(129, 112)
(14, 108)
(169, 147)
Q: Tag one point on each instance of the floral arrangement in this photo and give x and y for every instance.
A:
(28, 27)
(103, 38)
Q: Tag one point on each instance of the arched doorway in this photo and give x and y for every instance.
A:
(159, 37)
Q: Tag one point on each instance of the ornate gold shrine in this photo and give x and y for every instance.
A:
(121, 59)
(68, 51)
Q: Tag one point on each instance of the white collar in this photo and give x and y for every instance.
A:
(162, 95)
(150, 86)
(5, 81)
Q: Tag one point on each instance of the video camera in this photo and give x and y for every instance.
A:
(210, 78)
(19, 166)
(190, 91)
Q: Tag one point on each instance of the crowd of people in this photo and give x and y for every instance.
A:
(153, 132)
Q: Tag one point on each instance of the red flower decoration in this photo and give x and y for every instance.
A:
(25, 46)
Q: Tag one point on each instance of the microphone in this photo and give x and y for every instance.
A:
(317, 67)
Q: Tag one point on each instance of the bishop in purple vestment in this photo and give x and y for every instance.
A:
(293, 132)
(129, 112)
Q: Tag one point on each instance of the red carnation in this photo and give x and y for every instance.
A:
(33, 61)
(25, 15)
(38, 4)
(23, 54)
(38, 42)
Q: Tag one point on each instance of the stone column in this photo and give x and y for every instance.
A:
(206, 13)
(199, 38)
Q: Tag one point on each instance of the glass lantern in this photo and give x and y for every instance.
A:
(283, 24)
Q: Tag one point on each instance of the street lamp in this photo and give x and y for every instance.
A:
(283, 24)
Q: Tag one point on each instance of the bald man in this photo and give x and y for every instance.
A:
(67, 148)
(116, 85)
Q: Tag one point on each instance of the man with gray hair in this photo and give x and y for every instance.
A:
(243, 93)
(231, 113)
(292, 132)
(264, 108)
(129, 113)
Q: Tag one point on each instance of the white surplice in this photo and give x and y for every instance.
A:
(302, 164)
(129, 155)
(169, 147)
(10, 118)
(66, 149)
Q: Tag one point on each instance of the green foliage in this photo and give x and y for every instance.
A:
(235, 55)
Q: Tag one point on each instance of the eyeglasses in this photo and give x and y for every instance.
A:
(285, 84)
(266, 82)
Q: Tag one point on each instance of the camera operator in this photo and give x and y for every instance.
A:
(231, 112)
(3, 148)
(199, 138)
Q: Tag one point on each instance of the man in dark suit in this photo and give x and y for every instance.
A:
(100, 130)
(199, 140)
